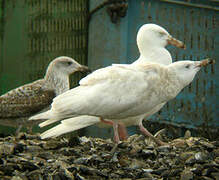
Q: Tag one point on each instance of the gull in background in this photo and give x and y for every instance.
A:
(17, 105)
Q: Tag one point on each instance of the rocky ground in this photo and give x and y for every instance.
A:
(28, 157)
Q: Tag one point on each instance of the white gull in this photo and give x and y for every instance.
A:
(107, 92)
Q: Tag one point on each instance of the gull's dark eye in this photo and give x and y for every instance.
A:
(69, 63)
(187, 66)
(161, 33)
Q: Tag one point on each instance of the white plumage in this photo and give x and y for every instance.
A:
(106, 93)
(153, 84)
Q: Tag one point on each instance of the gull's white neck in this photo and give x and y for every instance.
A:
(57, 81)
(154, 54)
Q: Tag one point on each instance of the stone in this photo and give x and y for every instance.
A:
(186, 155)
(201, 157)
(27, 165)
(187, 175)
(34, 149)
(215, 175)
(7, 148)
(190, 161)
(136, 164)
(9, 168)
(60, 176)
(179, 143)
(145, 153)
(187, 134)
(19, 178)
(165, 148)
(207, 145)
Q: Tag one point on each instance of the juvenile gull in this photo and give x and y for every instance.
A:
(106, 93)
(17, 105)
(151, 41)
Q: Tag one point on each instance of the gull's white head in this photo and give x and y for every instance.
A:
(154, 36)
(66, 66)
(186, 70)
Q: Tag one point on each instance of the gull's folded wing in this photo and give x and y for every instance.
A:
(25, 100)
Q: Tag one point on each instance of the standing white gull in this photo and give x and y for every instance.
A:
(17, 105)
(108, 94)
(151, 41)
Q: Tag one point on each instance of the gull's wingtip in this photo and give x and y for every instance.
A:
(41, 116)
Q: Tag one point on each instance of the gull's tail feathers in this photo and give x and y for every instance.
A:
(69, 125)
(49, 116)
(48, 122)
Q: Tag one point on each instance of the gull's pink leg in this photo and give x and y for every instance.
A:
(123, 134)
(122, 131)
(147, 133)
(116, 134)
(106, 121)
(115, 128)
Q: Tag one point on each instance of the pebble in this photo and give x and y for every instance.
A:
(186, 175)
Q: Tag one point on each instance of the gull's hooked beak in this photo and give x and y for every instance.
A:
(175, 42)
(83, 68)
(205, 62)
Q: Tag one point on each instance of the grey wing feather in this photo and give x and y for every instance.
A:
(25, 100)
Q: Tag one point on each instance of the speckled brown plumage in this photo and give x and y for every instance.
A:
(26, 100)
(17, 105)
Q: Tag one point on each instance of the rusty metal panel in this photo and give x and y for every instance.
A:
(33, 32)
(197, 106)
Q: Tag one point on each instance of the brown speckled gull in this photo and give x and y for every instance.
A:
(17, 105)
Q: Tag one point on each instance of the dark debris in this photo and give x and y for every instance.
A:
(90, 158)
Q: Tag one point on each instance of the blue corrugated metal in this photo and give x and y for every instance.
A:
(197, 26)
